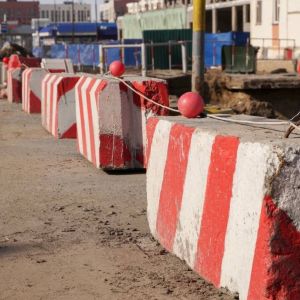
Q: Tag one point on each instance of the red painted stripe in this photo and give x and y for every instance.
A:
(80, 102)
(173, 183)
(17, 91)
(90, 120)
(276, 263)
(113, 152)
(35, 103)
(218, 195)
(151, 126)
(70, 133)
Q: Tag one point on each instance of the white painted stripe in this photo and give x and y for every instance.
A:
(27, 86)
(188, 227)
(49, 100)
(85, 113)
(54, 130)
(248, 193)
(44, 95)
(9, 86)
(78, 95)
(95, 119)
(23, 89)
(155, 171)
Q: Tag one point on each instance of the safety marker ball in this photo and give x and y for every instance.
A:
(117, 68)
(14, 62)
(5, 60)
(190, 105)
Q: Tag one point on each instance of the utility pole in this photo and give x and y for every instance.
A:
(198, 46)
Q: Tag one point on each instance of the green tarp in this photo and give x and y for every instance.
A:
(134, 25)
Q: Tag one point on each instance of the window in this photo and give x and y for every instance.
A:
(276, 11)
(68, 16)
(258, 12)
(63, 16)
(248, 16)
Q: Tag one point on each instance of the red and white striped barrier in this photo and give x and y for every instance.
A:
(3, 73)
(111, 119)
(58, 104)
(14, 85)
(32, 89)
(228, 206)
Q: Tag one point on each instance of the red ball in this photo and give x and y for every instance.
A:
(14, 62)
(190, 105)
(117, 68)
(5, 60)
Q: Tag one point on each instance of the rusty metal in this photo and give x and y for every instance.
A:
(291, 129)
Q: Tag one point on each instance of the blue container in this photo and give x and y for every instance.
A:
(132, 56)
(112, 54)
(215, 42)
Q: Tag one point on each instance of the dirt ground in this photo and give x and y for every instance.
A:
(70, 231)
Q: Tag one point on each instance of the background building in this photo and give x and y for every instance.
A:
(146, 5)
(110, 10)
(21, 11)
(62, 13)
(274, 27)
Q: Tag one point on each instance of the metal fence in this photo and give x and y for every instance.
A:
(270, 48)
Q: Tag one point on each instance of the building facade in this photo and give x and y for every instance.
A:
(274, 27)
(69, 11)
(146, 5)
(110, 10)
(20, 11)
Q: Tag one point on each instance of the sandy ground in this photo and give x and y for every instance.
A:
(70, 231)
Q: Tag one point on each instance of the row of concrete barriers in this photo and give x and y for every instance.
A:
(222, 197)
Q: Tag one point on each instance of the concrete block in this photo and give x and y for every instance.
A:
(3, 73)
(58, 104)
(14, 85)
(32, 89)
(111, 119)
(54, 65)
(226, 199)
(269, 65)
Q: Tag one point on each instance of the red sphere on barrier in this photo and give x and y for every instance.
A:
(190, 105)
(5, 60)
(117, 68)
(14, 62)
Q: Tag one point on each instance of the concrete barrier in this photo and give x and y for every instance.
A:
(54, 65)
(226, 199)
(32, 89)
(58, 104)
(111, 119)
(14, 85)
(3, 73)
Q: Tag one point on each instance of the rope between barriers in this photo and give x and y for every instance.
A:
(216, 117)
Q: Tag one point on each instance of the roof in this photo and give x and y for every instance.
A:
(105, 29)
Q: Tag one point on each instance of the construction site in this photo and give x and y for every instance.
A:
(150, 150)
